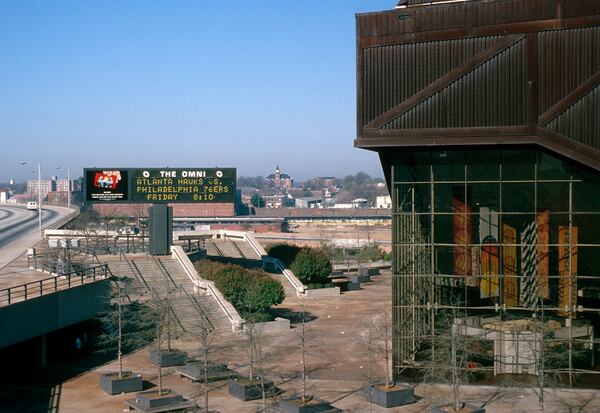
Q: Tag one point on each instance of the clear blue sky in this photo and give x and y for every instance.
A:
(248, 84)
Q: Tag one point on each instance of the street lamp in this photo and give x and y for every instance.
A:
(39, 195)
(68, 188)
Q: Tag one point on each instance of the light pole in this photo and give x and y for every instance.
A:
(39, 204)
(68, 188)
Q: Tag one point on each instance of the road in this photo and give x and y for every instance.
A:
(19, 229)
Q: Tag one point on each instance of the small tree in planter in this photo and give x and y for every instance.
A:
(451, 357)
(168, 328)
(377, 344)
(136, 322)
(304, 403)
(255, 386)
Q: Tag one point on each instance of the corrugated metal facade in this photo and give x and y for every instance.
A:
(481, 72)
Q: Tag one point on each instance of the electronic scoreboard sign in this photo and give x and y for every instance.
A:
(158, 185)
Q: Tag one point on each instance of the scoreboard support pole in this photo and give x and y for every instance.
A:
(160, 225)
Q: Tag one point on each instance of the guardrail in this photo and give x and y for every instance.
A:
(64, 220)
(209, 286)
(51, 285)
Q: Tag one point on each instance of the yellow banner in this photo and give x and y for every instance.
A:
(509, 265)
(462, 238)
(567, 269)
(489, 266)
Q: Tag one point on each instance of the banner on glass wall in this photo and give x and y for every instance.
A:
(509, 265)
(543, 252)
(475, 267)
(567, 269)
(528, 296)
(462, 238)
(490, 259)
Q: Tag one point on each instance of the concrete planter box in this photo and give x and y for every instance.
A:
(322, 292)
(194, 371)
(384, 396)
(129, 382)
(295, 405)
(152, 401)
(351, 286)
(373, 271)
(449, 408)
(270, 327)
(245, 389)
(359, 278)
(169, 358)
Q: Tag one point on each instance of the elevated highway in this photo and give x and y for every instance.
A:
(19, 229)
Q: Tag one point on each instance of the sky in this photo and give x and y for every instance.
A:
(245, 84)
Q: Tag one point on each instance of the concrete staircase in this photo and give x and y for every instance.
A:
(168, 279)
(230, 248)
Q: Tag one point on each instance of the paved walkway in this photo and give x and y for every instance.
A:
(337, 362)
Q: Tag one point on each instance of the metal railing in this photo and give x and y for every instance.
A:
(63, 221)
(51, 285)
(192, 247)
(135, 271)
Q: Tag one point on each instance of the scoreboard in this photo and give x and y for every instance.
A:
(159, 185)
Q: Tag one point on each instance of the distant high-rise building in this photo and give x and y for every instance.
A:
(47, 186)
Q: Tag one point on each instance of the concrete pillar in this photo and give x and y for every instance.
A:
(40, 352)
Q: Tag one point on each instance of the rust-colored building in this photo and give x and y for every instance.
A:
(486, 118)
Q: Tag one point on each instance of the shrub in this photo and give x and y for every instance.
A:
(286, 253)
(262, 293)
(368, 253)
(246, 290)
(312, 266)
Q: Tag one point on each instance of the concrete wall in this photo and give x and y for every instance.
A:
(41, 315)
(179, 210)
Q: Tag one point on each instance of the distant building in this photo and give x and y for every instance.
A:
(309, 202)
(383, 201)
(47, 186)
(360, 203)
(4, 195)
(279, 181)
(279, 201)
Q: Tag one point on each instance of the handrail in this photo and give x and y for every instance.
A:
(238, 249)
(180, 288)
(196, 305)
(136, 271)
(227, 308)
(218, 250)
(164, 272)
(51, 285)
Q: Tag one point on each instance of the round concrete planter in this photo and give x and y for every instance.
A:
(127, 383)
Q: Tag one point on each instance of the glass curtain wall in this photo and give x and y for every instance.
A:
(495, 259)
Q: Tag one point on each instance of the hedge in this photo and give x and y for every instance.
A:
(247, 290)
(312, 266)
(286, 253)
